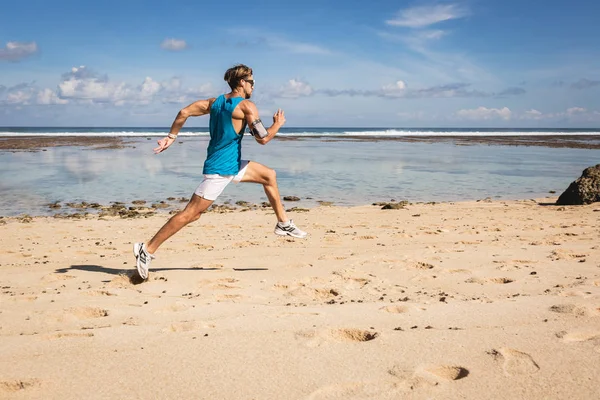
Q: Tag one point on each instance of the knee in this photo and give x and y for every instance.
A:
(187, 216)
(195, 217)
(271, 177)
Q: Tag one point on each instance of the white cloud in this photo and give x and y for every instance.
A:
(148, 89)
(575, 111)
(29, 94)
(174, 44)
(83, 85)
(15, 51)
(396, 89)
(172, 93)
(418, 17)
(19, 97)
(533, 114)
(295, 88)
(47, 96)
(173, 84)
(483, 113)
(576, 114)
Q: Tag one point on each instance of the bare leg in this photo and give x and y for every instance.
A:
(258, 173)
(190, 213)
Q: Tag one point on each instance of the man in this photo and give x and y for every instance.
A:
(229, 115)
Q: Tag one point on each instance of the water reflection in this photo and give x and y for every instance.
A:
(345, 172)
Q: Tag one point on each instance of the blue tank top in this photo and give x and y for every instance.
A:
(224, 151)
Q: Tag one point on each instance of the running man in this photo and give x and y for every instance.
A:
(229, 115)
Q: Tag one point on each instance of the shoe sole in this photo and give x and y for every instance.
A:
(285, 233)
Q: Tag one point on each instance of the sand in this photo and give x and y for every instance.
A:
(476, 300)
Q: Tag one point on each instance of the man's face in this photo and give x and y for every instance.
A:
(248, 84)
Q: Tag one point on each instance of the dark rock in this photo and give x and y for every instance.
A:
(291, 198)
(26, 218)
(297, 209)
(585, 190)
(394, 206)
(222, 208)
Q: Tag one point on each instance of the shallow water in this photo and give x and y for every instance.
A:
(345, 172)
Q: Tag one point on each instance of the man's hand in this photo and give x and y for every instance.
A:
(279, 117)
(163, 144)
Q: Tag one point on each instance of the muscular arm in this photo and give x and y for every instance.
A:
(253, 120)
(196, 109)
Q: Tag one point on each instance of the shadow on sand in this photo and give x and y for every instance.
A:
(133, 275)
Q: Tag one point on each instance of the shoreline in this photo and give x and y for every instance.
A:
(38, 143)
(144, 209)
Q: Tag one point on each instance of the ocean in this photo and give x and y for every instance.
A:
(344, 166)
(298, 132)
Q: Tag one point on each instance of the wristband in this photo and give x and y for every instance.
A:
(172, 136)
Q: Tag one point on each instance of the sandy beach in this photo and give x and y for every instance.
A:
(483, 299)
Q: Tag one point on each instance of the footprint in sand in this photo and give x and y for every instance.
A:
(571, 309)
(352, 279)
(87, 312)
(220, 284)
(395, 309)
(400, 381)
(57, 277)
(500, 280)
(365, 237)
(562, 254)
(124, 281)
(421, 265)
(100, 293)
(18, 385)
(475, 280)
(178, 306)
(446, 372)
(314, 294)
(516, 363)
(61, 335)
(580, 336)
(317, 338)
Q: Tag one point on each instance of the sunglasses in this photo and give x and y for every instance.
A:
(250, 81)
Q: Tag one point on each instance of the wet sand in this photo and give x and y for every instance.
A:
(37, 143)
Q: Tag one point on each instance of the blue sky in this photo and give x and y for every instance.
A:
(510, 63)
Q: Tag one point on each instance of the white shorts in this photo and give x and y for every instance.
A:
(213, 184)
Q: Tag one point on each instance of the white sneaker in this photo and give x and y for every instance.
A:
(289, 230)
(142, 259)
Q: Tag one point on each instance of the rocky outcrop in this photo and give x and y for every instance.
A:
(584, 190)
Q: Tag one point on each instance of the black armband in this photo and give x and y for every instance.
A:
(258, 129)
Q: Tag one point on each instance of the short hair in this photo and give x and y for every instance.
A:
(235, 74)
